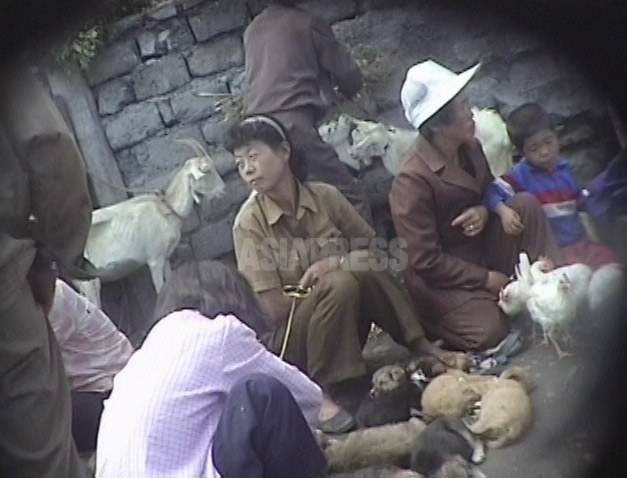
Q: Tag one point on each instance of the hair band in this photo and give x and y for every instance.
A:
(266, 120)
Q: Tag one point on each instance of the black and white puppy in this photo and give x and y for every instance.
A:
(447, 448)
(391, 398)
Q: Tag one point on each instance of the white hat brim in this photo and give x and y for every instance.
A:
(444, 95)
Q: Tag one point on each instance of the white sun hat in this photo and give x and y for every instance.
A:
(428, 86)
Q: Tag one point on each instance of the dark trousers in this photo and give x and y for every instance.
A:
(263, 434)
(86, 411)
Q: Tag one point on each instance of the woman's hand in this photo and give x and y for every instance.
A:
(495, 282)
(472, 220)
(510, 220)
(319, 269)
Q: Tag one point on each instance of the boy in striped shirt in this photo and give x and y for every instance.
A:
(549, 177)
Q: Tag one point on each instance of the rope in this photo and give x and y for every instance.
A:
(295, 292)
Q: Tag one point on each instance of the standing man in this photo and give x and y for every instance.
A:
(45, 214)
(292, 61)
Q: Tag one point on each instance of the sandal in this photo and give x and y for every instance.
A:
(341, 422)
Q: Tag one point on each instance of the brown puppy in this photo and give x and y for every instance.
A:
(448, 395)
(376, 446)
(505, 412)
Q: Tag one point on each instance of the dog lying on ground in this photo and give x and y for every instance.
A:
(390, 400)
(446, 445)
(505, 408)
(370, 447)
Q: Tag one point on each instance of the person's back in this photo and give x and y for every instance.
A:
(292, 59)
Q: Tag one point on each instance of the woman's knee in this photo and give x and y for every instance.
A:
(340, 284)
(524, 203)
(259, 384)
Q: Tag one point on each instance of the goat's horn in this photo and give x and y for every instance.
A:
(196, 147)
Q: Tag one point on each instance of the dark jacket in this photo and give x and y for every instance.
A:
(292, 60)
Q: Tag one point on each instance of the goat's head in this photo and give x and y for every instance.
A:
(203, 177)
(337, 131)
(369, 140)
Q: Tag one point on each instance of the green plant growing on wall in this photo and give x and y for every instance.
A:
(81, 49)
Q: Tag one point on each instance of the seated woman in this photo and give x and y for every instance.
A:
(290, 233)
(93, 352)
(202, 396)
(459, 256)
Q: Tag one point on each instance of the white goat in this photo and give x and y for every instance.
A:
(357, 142)
(146, 229)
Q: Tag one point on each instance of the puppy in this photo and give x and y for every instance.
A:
(446, 444)
(390, 400)
(505, 412)
(378, 446)
(378, 472)
(448, 395)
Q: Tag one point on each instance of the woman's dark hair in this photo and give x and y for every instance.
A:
(525, 121)
(444, 116)
(211, 288)
(248, 130)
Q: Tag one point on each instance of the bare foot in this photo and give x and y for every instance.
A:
(328, 409)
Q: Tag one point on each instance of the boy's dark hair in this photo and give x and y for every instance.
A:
(211, 288)
(245, 131)
(525, 121)
(444, 116)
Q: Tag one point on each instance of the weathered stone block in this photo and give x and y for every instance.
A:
(214, 239)
(132, 125)
(175, 35)
(218, 17)
(187, 4)
(216, 56)
(191, 103)
(222, 158)
(154, 161)
(160, 76)
(237, 81)
(162, 13)
(236, 192)
(214, 130)
(113, 60)
(331, 12)
(256, 6)
(114, 95)
(147, 44)
(532, 71)
(166, 112)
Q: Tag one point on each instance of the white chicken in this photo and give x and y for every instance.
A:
(605, 288)
(513, 297)
(555, 297)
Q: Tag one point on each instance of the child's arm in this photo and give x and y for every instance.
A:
(497, 193)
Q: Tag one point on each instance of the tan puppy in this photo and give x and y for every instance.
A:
(448, 395)
(505, 411)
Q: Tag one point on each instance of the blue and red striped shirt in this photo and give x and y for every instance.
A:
(557, 191)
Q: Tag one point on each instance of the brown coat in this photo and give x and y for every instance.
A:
(445, 267)
(292, 59)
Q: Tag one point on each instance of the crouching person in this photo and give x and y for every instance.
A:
(93, 352)
(290, 233)
(203, 397)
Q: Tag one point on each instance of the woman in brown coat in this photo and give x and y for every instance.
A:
(458, 256)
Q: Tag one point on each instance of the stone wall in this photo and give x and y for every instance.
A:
(162, 73)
